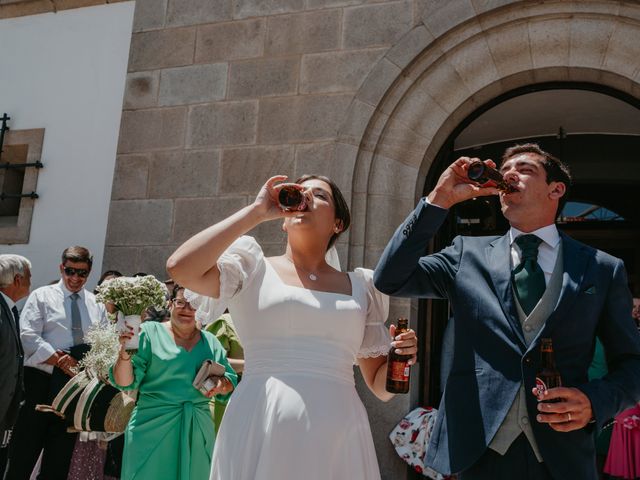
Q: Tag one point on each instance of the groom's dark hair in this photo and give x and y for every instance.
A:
(557, 170)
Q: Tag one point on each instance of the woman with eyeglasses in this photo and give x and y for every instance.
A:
(303, 325)
(171, 432)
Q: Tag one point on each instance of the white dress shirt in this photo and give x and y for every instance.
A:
(547, 251)
(45, 322)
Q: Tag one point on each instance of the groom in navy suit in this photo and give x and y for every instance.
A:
(507, 293)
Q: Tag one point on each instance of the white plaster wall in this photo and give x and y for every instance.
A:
(65, 72)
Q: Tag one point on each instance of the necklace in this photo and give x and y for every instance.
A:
(312, 276)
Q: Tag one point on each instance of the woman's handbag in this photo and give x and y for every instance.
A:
(411, 436)
(208, 375)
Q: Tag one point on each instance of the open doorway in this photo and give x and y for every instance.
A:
(596, 131)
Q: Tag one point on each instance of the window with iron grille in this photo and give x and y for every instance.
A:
(20, 152)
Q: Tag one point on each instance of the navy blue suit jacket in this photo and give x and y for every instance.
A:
(491, 359)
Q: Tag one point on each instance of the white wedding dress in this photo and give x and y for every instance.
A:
(296, 413)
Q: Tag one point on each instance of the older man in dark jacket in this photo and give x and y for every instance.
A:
(15, 282)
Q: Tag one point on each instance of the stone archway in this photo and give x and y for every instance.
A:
(449, 66)
(463, 55)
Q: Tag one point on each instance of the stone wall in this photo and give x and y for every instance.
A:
(223, 94)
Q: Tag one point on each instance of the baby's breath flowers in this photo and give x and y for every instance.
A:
(133, 295)
(105, 345)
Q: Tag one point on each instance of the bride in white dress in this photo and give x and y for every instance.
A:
(303, 324)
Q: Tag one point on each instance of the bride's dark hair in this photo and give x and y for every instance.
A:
(342, 209)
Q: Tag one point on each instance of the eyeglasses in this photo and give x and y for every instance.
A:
(81, 272)
(181, 303)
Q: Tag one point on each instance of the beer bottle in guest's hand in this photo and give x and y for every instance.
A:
(398, 369)
(548, 376)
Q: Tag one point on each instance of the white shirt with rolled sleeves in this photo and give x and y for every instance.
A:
(45, 322)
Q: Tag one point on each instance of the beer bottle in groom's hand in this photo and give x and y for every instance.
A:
(548, 376)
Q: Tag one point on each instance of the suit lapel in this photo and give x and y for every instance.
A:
(8, 314)
(575, 261)
(498, 260)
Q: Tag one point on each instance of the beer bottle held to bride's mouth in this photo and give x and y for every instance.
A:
(291, 198)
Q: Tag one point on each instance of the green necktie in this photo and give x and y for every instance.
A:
(528, 277)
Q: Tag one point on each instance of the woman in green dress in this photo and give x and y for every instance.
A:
(225, 332)
(171, 432)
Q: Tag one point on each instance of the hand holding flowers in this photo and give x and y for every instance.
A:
(132, 296)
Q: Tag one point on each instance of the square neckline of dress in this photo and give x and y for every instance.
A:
(275, 272)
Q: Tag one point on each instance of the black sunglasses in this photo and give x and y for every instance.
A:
(81, 272)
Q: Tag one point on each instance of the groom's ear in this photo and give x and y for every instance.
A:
(557, 190)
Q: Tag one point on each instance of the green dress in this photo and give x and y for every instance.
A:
(170, 434)
(223, 329)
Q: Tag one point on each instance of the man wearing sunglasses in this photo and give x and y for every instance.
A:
(53, 323)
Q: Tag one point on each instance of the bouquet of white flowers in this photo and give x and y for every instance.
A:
(105, 345)
(133, 295)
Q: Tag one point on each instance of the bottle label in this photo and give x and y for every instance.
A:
(400, 371)
(541, 387)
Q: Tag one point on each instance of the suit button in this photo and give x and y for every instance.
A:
(527, 360)
(524, 420)
(527, 328)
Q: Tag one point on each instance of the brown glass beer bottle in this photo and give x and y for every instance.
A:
(291, 198)
(482, 173)
(548, 376)
(398, 369)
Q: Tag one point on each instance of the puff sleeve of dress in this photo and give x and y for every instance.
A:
(238, 265)
(376, 340)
